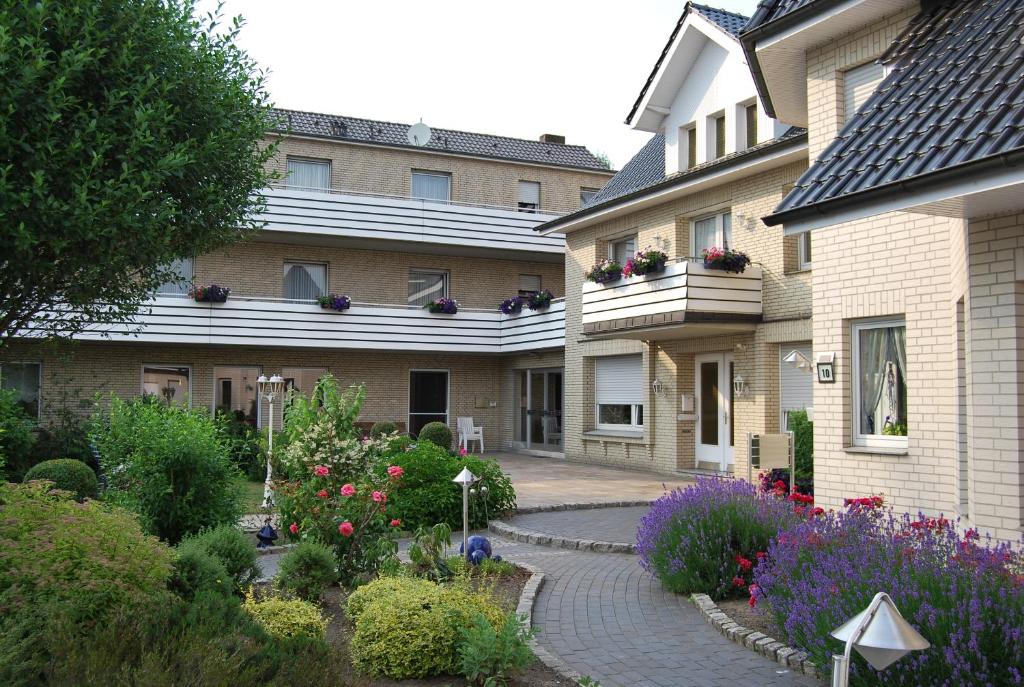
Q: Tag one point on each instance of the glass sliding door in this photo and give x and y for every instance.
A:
(539, 425)
(428, 398)
(234, 393)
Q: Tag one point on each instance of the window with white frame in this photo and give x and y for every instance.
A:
(714, 231)
(304, 281)
(184, 268)
(170, 384)
(750, 125)
(529, 196)
(309, 174)
(26, 380)
(880, 383)
(619, 392)
(622, 249)
(716, 136)
(431, 185)
(804, 246)
(587, 195)
(235, 393)
(858, 85)
(426, 286)
(688, 146)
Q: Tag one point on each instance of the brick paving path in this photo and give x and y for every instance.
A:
(598, 524)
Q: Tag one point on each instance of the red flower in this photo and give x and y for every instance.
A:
(760, 555)
(396, 523)
(739, 582)
(321, 471)
(322, 493)
(346, 529)
(744, 563)
(378, 496)
(395, 471)
(293, 528)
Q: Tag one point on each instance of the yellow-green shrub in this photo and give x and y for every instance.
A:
(282, 617)
(410, 628)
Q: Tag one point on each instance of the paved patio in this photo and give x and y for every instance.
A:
(552, 481)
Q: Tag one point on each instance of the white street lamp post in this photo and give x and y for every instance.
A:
(271, 389)
(879, 633)
(465, 478)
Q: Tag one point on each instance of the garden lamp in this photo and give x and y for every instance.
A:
(465, 478)
(880, 634)
(270, 389)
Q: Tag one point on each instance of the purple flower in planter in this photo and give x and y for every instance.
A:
(443, 306)
(512, 306)
(210, 294)
(605, 271)
(725, 259)
(334, 302)
(538, 300)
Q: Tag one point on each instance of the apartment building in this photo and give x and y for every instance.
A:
(670, 371)
(914, 212)
(392, 218)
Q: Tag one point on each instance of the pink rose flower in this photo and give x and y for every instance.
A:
(322, 493)
(395, 471)
(321, 471)
(293, 528)
(462, 451)
(378, 497)
(346, 529)
(348, 490)
(396, 522)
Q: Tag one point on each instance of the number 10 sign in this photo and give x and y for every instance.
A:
(826, 368)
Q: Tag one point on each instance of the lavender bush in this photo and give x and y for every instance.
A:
(965, 597)
(705, 537)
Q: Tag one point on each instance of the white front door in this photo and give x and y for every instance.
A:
(714, 435)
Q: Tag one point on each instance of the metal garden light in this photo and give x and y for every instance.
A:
(465, 478)
(879, 634)
(270, 389)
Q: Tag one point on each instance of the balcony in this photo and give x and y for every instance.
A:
(275, 323)
(684, 301)
(349, 218)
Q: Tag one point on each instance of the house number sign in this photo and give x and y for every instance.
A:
(826, 368)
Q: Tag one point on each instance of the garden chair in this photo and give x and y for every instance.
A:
(766, 452)
(469, 432)
(551, 433)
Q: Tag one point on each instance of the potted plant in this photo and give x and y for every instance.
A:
(607, 270)
(645, 262)
(512, 306)
(725, 259)
(333, 301)
(209, 294)
(443, 306)
(538, 300)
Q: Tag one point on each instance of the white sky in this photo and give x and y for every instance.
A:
(513, 67)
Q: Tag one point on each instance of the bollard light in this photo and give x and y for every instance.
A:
(465, 478)
(271, 389)
(880, 634)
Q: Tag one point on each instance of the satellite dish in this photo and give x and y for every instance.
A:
(419, 134)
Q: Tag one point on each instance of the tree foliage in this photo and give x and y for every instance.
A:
(131, 134)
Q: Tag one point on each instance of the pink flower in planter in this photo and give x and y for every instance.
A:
(395, 471)
(321, 471)
(346, 529)
(293, 528)
(378, 497)
(322, 493)
(348, 490)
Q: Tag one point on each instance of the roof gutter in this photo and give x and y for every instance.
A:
(795, 140)
(962, 172)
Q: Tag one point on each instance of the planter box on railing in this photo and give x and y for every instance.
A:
(209, 294)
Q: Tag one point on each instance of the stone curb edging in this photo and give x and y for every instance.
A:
(539, 538)
(756, 641)
(525, 608)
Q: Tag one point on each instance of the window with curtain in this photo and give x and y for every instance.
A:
(529, 196)
(309, 174)
(304, 281)
(25, 379)
(880, 383)
(432, 185)
(711, 232)
(426, 286)
(622, 250)
(170, 384)
(178, 287)
(619, 392)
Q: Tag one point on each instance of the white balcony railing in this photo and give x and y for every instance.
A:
(265, 322)
(686, 299)
(344, 214)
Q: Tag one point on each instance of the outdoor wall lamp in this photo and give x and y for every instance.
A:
(739, 387)
(879, 634)
(658, 387)
(801, 361)
(271, 389)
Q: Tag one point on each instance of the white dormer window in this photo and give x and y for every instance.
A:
(858, 85)
(716, 136)
(688, 146)
(529, 196)
(750, 125)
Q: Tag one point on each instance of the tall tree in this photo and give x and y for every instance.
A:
(131, 134)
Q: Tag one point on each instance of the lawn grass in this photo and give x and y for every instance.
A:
(253, 496)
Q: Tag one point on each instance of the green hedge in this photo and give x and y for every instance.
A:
(379, 429)
(437, 433)
(67, 474)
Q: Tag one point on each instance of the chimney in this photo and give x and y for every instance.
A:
(552, 138)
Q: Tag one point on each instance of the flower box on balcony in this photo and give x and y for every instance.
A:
(334, 302)
(538, 300)
(607, 270)
(512, 306)
(209, 294)
(725, 259)
(645, 262)
(442, 306)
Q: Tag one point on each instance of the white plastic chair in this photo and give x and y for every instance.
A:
(469, 432)
(551, 433)
(769, 451)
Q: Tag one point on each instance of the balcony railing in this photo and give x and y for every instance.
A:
(269, 322)
(687, 299)
(345, 214)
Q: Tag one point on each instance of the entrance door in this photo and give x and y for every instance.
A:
(540, 409)
(428, 398)
(714, 436)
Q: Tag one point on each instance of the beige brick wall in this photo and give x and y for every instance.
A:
(256, 268)
(377, 169)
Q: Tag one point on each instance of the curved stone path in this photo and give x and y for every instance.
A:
(597, 524)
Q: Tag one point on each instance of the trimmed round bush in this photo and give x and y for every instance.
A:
(307, 571)
(196, 571)
(285, 618)
(232, 548)
(412, 628)
(67, 474)
(705, 538)
(379, 429)
(437, 433)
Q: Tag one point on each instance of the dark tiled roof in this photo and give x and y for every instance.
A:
(954, 98)
(770, 10)
(442, 140)
(645, 168)
(730, 22)
(645, 173)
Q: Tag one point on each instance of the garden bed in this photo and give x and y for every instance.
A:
(739, 611)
